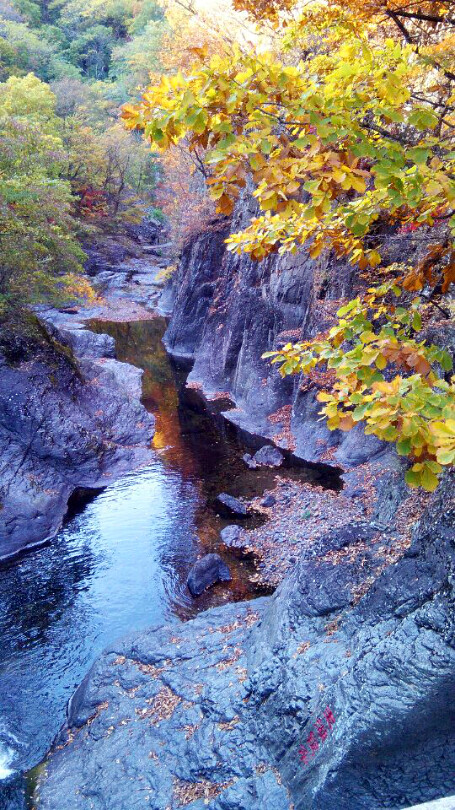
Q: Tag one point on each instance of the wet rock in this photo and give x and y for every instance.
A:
(207, 572)
(236, 540)
(268, 456)
(228, 506)
(250, 462)
(307, 699)
(64, 426)
(268, 501)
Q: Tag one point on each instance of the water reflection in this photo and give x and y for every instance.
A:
(121, 561)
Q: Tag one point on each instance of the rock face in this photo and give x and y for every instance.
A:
(107, 252)
(64, 425)
(235, 539)
(207, 572)
(228, 506)
(338, 692)
(387, 668)
(228, 310)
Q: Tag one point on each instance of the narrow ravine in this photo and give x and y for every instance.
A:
(120, 562)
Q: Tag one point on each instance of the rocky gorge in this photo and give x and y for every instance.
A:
(70, 416)
(307, 699)
(335, 692)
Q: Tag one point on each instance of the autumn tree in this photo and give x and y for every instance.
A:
(39, 256)
(188, 30)
(346, 135)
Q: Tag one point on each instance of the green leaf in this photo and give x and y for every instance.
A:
(445, 361)
(412, 478)
(419, 154)
(429, 479)
(360, 411)
(416, 321)
(404, 447)
(423, 118)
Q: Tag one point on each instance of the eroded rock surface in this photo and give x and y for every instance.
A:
(338, 692)
(228, 310)
(64, 425)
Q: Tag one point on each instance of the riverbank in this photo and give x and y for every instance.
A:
(303, 514)
(311, 698)
(70, 413)
(70, 420)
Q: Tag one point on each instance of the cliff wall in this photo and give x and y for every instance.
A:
(228, 310)
(70, 418)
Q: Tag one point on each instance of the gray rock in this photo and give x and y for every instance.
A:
(236, 540)
(268, 456)
(231, 535)
(308, 699)
(245, 309)
(228, 506)
(119, 376)
(249, 461)
(63, 427)
(206, 572)
(268, 501)
(88, 344)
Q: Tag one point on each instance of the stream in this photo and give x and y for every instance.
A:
(120, 561)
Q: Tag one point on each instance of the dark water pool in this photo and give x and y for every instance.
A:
(120, 562)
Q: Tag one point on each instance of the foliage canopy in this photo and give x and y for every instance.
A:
(344, 131)
(67, 165)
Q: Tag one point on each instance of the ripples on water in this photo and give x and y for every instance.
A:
(112, 569)
(118, 565)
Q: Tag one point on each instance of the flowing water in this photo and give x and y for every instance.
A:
(119, 563)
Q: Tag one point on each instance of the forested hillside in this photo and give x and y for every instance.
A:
(67, 165)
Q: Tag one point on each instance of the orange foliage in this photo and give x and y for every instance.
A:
(183, 196)
(192, 37)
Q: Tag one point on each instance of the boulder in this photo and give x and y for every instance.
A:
(269, 500)
(268, 456)
(207, 572)
(228, 506)
(249, 461)
(85, 343)
(236, 540)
